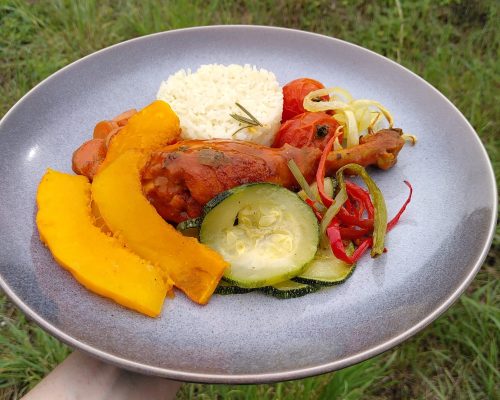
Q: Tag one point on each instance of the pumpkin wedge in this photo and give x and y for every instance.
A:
(156, 125)
(117, 192)
(98, 261)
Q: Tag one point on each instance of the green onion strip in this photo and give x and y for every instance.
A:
(333, 210)
(301, 180)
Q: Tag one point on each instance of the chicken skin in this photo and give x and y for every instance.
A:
(181, 178)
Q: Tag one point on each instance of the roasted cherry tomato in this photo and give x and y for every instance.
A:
(293, 96)
(310, 129)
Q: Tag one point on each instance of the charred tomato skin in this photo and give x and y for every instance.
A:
(309, 129)
(293, 96)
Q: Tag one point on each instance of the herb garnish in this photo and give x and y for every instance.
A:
(249, 120)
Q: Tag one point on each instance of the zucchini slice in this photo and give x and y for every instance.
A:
(225, 288)
(265, 232)
(325, 269)
(190, 227)
(289, 289)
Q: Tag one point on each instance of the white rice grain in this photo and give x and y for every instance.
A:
(205, 99)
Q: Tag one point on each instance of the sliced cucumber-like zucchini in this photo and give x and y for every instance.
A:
(289, 289)
(329, 184)
(265, 232)
(190, 227)
(325, 269)
(224, 288)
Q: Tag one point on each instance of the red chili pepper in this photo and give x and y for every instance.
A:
(315, 210)
(351, 219)
(350, 233)
(320, 173)
(359, 204)
(348, 206)
(359, 208)
(363, 196)
(395, 220)
(351, 214)
(362, 201)
(365, 245)
(337, 245)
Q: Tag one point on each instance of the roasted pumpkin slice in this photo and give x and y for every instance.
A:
(117, 192)
(154, 126)
(98, 261)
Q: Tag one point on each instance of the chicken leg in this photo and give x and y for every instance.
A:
(181, 178)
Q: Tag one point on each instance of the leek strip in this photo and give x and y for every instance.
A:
(368, 103)
(364, 118)
(374, 121)
(353, 115)
(314, 106)
(333, 210)
(301, 180)
(336, 145)
(352, 129)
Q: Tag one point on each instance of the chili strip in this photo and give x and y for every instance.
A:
(351, 233)
(395, 220)
(361, 195)
(380, 210)
(368, 242)
(337, 245)
(320, 173)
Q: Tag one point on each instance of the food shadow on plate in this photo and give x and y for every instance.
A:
(34, 290)
(54, 290)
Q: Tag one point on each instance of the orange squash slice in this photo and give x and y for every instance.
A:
(156, 125)
(98, 261)
(116, 190)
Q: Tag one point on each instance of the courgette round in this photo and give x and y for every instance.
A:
(190, 227)
(225, 288)
(289, 289)
(265, 232)
(325, 269)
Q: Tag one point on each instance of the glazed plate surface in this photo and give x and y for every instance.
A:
(434, 252)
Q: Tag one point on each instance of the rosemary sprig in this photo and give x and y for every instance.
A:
(249, 120)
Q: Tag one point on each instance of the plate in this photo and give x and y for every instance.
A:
(434, 253)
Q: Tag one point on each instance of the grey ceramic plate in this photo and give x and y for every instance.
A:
(434, 252)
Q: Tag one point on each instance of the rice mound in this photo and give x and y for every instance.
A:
(204, 100)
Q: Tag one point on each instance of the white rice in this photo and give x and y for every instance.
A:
(205, 99)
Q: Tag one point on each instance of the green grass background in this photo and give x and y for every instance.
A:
(452, 44)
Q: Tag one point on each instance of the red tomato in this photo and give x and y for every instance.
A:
(293, 96)
(310, 129)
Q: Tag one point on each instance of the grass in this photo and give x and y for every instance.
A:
(452, 44)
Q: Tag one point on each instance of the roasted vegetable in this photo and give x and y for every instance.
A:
(293, 96)
(289, 289)
(325, 269)
(151, 128)
(266, 233)
(309, 129)
(96, 260)
(117, 193)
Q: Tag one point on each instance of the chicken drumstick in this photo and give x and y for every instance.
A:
(181, 178)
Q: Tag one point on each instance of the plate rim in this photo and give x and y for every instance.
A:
(286, 374)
